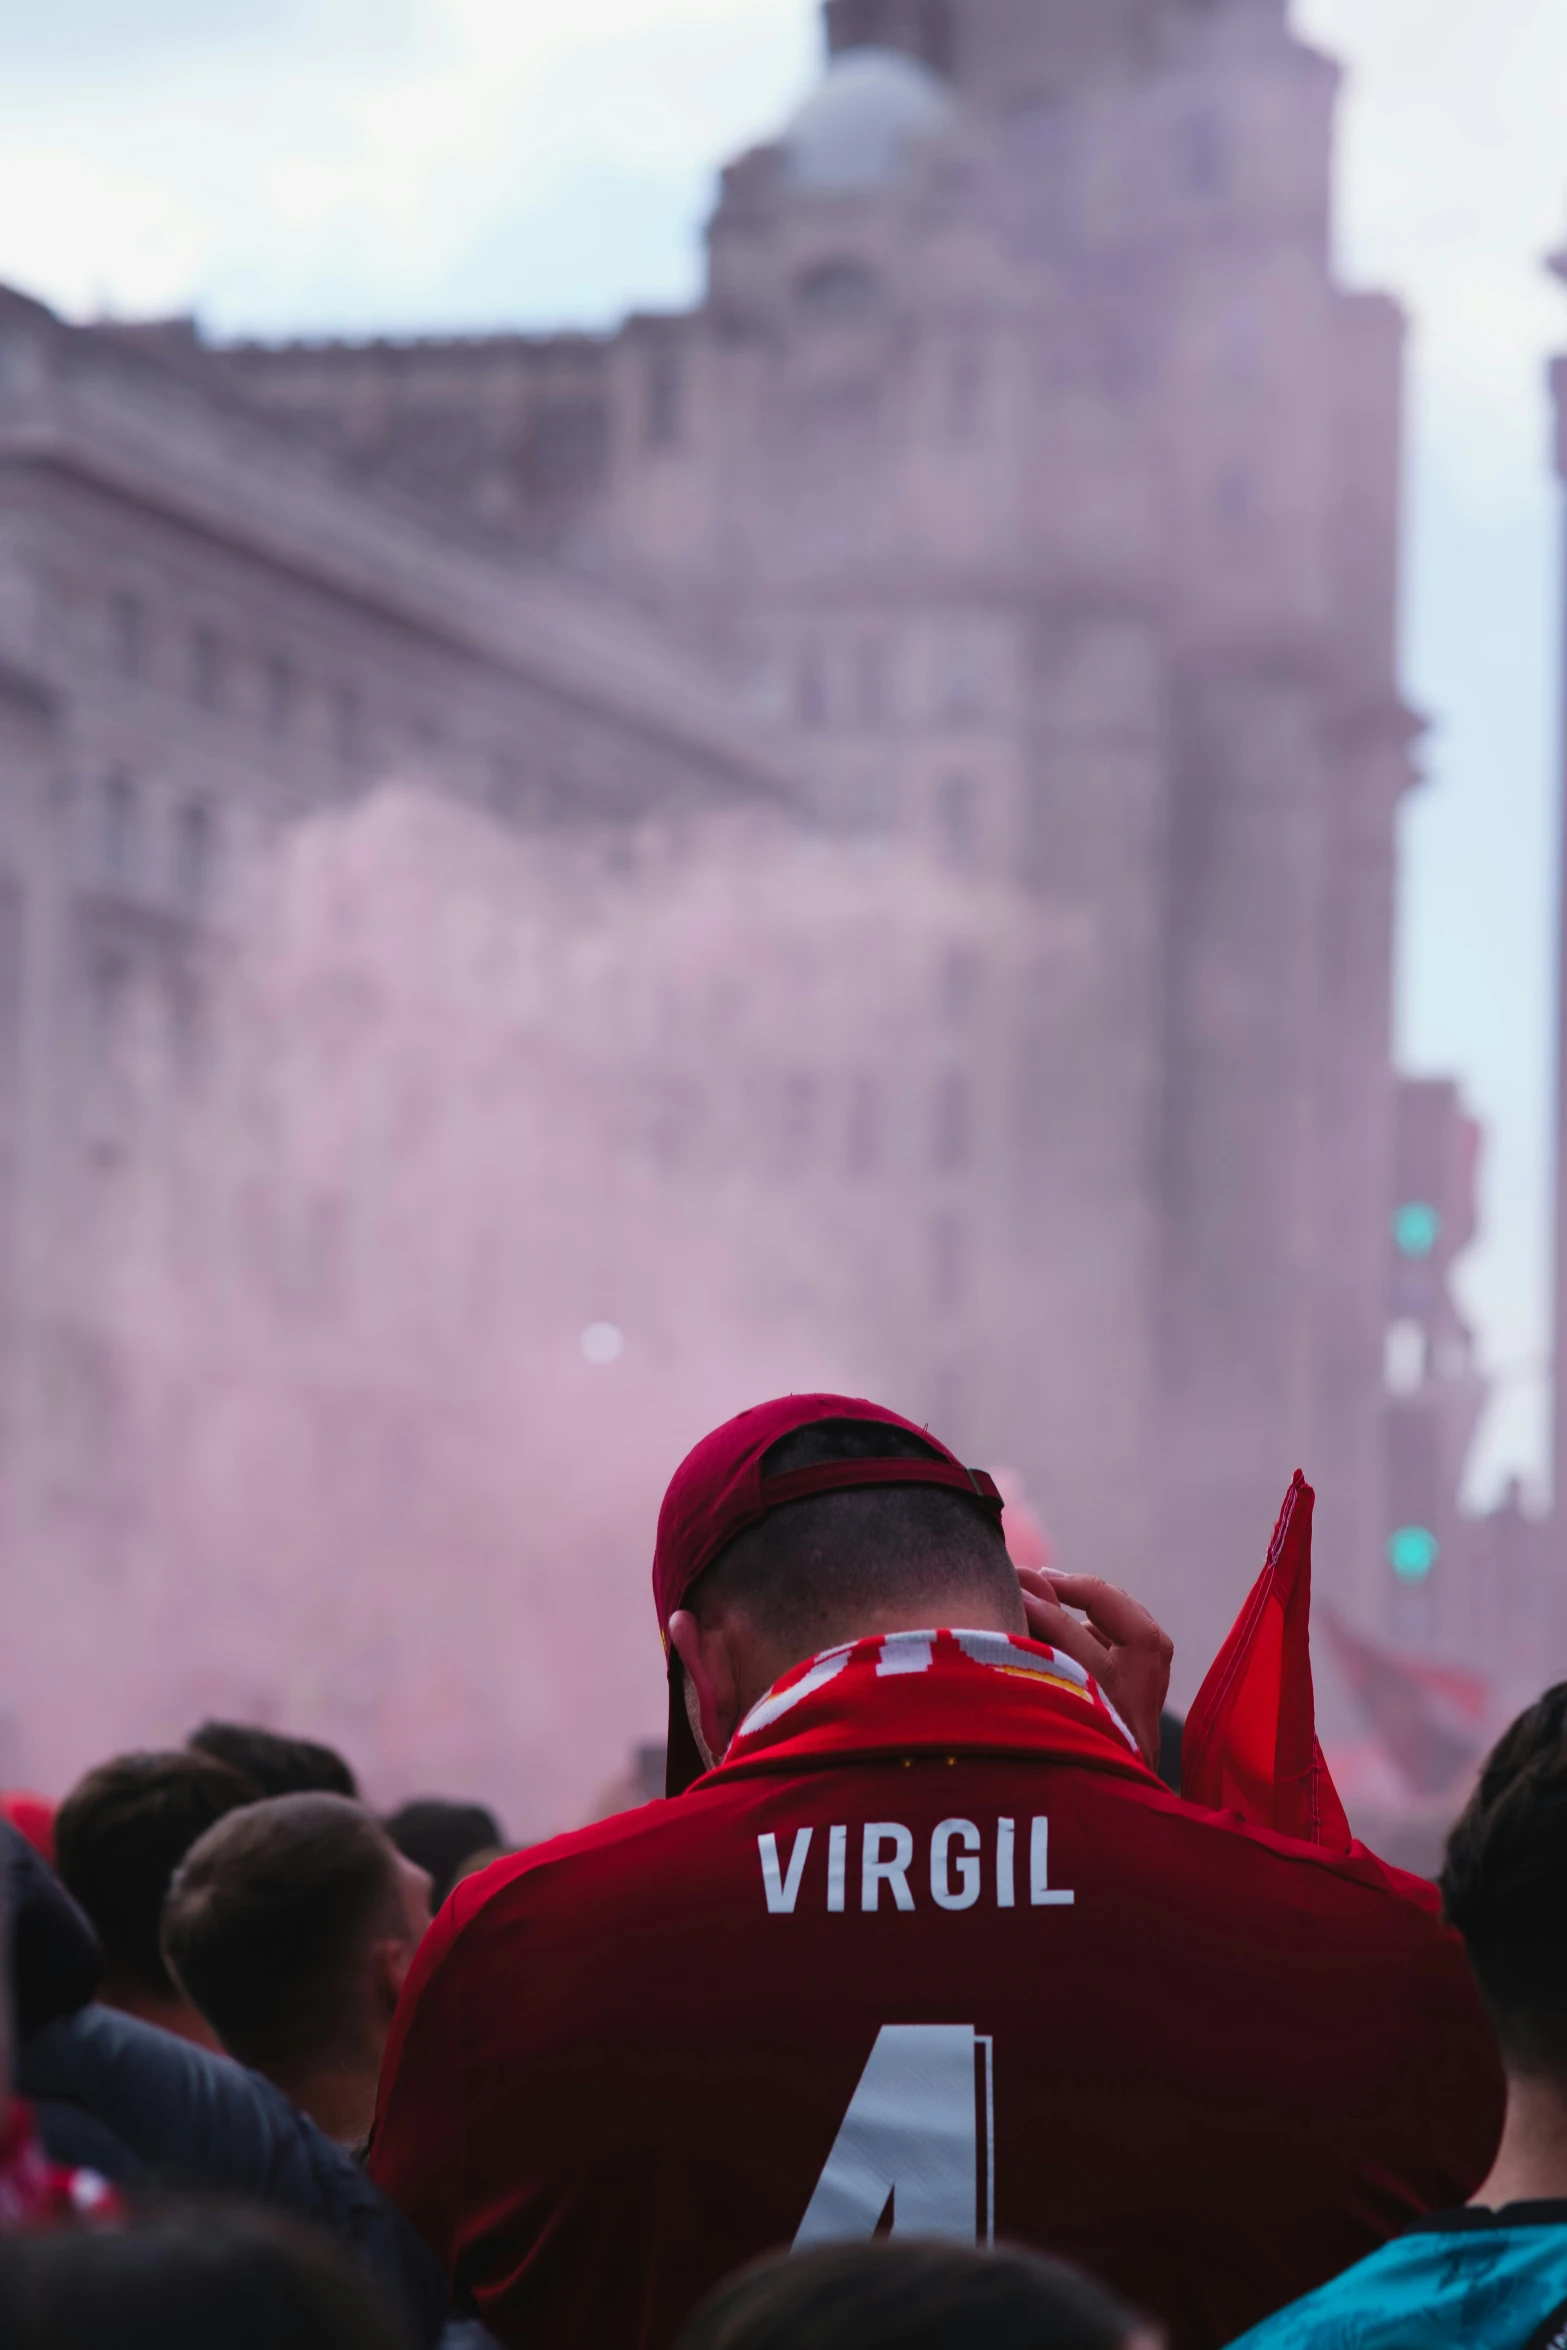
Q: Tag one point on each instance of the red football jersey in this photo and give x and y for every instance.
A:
(932, 1953)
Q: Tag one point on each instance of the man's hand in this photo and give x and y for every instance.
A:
(1128, 1654)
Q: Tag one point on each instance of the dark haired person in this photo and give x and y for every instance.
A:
(274, 1763)
(923, 1947)
(153, 2113)
(291, 1926)
(1496, 2272)
(203, 2278)
(448, 1840)
(913, 2297)
(119, 1836)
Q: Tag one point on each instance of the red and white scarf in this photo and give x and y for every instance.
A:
(37, 2193)
(896, 1691)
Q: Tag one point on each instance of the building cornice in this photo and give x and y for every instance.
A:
(119, 415)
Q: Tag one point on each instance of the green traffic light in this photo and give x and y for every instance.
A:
(1412, 1552)
(1417, 1227)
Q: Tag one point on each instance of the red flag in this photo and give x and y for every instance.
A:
(33, 1817)
(1251, 1737)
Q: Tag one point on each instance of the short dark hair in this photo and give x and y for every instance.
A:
(268, 1918)
(185, 2278)
(443, 1838)
(1504, 1886)
(803, 1569)
(912, 2296)
(279, 1765)
(119, 1837)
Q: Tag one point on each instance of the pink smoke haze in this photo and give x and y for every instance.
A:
(462, 1100)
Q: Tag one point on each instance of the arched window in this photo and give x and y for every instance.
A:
(836, 293)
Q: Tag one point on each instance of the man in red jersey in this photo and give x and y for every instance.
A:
(928, 1950)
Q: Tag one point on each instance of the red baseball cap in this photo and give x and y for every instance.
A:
(719, 1490)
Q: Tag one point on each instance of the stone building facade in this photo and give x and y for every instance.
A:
(208, 628)
(1031, 486)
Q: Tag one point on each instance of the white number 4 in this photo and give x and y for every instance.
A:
(915, 2153)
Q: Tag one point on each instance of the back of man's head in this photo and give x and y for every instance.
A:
(191, 2276)
(1504, 1886)
(912, 2296)
(120, 1835)
(447, 1840)
(269, 1928)
(278, 1765)
(824, 1569)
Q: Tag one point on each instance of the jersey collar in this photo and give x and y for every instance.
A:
(953, 1692)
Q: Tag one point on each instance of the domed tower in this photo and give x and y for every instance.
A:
(1041, 483)
(1012, 54)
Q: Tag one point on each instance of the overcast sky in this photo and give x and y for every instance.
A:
(310, 166)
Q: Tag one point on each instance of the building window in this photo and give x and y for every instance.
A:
(801, 1099)
(952, 1126)
(871, 804)
(567, 448)
(348, 726)
(193, 857)
(127, 632)
(957, 823)
(867, 1120)
(280, 697)
(967, 385)
(959, 985)
(109, 979)
(206, 670)
(811, 688)
(665, 394)
(961, 679)
(836, 293)
(870, 681)
(948, 1262)
(119, 827)
(1204, 157)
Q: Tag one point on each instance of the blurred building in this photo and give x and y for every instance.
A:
(1031, 486)
(208, 627)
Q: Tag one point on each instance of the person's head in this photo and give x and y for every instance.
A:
(447, 1840)
(291, 1926)
(912, 2296)
(1504, 1887)
(850, 1521)
(119, 1836)
(189, 2279)
(276, 1765)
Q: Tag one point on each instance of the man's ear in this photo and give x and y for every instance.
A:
(710, 1677)
(390, 1960)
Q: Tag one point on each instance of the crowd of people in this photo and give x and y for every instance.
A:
(921, 2012)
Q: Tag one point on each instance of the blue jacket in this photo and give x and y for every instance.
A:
(1465, 2280)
